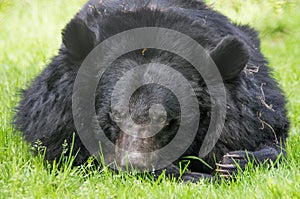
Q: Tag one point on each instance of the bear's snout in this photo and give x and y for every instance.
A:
(135, 153)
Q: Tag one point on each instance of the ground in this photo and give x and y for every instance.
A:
(30, 35)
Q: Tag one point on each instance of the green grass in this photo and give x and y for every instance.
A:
(30, 36)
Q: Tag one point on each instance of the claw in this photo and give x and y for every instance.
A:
(233, 156)
(222, 171)
(225, 176)
(228, 166)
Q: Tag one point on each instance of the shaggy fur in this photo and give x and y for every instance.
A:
(256, 117)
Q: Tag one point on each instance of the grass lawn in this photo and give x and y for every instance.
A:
(30, 36)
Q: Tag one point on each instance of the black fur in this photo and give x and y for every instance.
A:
(256, 117)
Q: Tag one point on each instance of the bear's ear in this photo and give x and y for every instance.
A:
(79, 39)
(230, 56)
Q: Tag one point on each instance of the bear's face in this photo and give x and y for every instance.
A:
(139, 120)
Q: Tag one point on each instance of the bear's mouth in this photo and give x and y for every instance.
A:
(133, 153)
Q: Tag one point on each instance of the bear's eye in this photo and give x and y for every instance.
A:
(162, 119)
(159, 119)
(117, 116)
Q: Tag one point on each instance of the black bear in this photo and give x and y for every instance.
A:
(256, 125)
